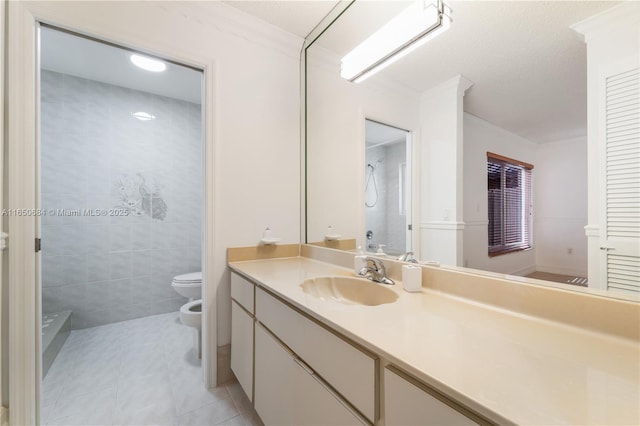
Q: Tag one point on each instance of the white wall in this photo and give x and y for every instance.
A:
(253, 121)
(560, 205)
(479, 137)
(441, 170)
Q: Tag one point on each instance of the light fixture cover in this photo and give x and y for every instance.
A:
(143, 116)
(148, 64)
(418, 23)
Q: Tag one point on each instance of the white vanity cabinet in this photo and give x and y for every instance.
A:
(348, 369)
(408, 402)
(242, 329)
(297, 371)
(288, 392)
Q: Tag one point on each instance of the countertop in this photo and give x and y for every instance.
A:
(508, 367)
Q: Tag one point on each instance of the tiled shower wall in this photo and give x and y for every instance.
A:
(108, 266)
(384, 219)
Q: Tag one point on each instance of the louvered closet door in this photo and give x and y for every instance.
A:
(621, 243)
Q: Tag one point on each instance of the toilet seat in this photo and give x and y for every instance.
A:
(190, 278)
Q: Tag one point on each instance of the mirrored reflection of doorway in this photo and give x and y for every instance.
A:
(387, 188)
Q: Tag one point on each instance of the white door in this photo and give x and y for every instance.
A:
(620, 136)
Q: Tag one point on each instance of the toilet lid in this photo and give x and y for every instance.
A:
(192, 277)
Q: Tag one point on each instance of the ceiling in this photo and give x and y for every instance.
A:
(528, 67)
(81, 57)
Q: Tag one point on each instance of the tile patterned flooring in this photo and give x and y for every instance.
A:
(137, 372)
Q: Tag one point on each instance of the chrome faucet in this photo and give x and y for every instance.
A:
(374, 271)
(407, 257)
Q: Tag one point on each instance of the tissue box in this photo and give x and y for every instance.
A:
(411, 278)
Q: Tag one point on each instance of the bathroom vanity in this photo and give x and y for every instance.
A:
(445, 355)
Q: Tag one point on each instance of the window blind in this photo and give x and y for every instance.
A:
(509, 204)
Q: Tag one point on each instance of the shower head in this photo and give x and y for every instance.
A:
(373, 167)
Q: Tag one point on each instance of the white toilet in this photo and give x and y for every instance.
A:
(190, 286)
(191, 315)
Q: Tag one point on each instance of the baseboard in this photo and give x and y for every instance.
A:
(4, 416)
(561, 271)
(224, 365)
(525, 271)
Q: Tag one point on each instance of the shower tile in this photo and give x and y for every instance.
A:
(140, 289)
(120, 265)
(51, 86)
(98, 297)
(73, 117)
(52, 240)
(98, 174)
(121, 293)
(160, 287)
(96, 318)
(180, 259)
(52, 273)
(52, 116)
(97, 91)
(120, 237)
(89, 139)
(164, 306)
(162, 235)
(141, 263)
(75, 241)
(75, 89)
(97, 238)
(161, 262)
(49, 301)
(141, 236)
(74, 269)
(194, 262)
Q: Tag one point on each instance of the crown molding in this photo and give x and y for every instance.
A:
(601, 24)
(243, 25)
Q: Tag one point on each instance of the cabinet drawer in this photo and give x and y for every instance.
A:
(287, 393)
(242, 291)
(349, 370)
(407, 402)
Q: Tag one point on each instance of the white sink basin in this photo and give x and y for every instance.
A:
(349, 290)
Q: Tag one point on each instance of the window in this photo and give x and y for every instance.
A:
(509, 197)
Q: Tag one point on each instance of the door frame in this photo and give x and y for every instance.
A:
(22, 19)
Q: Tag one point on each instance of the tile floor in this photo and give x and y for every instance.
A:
(137, 372)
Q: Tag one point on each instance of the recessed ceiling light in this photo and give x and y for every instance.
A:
(148, 64)
(143, 116)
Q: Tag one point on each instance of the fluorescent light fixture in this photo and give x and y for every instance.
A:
(148, 64)
(143, 116)
(414, 26)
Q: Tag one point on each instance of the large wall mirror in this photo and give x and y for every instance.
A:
(503, 89)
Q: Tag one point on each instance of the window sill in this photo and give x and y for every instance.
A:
(508, 251)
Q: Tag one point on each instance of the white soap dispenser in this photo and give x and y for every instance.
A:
(359, 261)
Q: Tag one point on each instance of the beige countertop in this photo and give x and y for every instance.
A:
(509, 367)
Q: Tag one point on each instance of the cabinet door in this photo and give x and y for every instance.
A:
(242, 347)
(242, 291)
(288, 393)
(620, 202)
(349, 370)
(407, 404)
